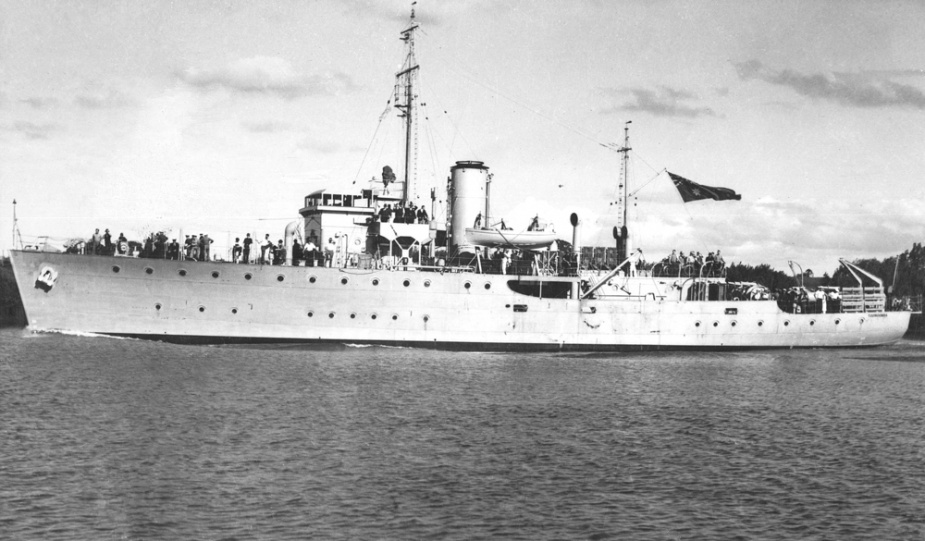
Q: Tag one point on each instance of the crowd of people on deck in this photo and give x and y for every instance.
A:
(101, 244)
(402, 214)
(799, 300)
(199, 248)
(711, 265)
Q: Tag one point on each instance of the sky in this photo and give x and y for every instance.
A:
(220, 116)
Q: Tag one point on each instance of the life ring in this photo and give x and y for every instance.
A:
(46, 278)
(123, 247)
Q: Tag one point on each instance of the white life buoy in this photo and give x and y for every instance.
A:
(46, 278)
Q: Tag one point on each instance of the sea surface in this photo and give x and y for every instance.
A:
(104, 438)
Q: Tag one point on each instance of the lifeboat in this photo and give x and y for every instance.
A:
(530, 240)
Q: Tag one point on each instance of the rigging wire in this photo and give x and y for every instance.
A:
(474, 77)
(646, 183)
(459, 68)
(388, 108)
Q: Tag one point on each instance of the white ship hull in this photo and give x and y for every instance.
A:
(217, 303)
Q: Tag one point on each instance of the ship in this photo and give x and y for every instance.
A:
(355, 274)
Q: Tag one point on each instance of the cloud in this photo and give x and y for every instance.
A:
(381, 12)
(32, 130)
(663, 101)
(321, 147)
(268, 126)
(268, 76)
(103, 99)
(874, 89)
(887, 73)
(38, 102)
(815, 232)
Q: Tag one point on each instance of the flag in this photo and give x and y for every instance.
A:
(691, 191)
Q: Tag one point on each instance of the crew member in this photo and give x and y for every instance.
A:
(246, 256)
(236, 250)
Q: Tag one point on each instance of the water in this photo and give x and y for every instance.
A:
(103, 438)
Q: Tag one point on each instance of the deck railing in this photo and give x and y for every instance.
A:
(863, 299)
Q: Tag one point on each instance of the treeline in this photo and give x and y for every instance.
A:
(762, 274)
(909, 274)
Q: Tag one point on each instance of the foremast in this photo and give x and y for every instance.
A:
(404, 102)
(621, 231)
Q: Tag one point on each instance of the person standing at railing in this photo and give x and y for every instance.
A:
(236, 250)
(246, 255)
(93, 246)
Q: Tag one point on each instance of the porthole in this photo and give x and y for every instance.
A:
(716, 323)
(202, 308)
(696, 324)
(862, 321)
(234, 310)
(373, 316)
(760, 323)
(467, 285)
(786, 323)
(248, 276)
(182, 272)
(812, 322)
(406, 283)
(353, 315)
(394, 317)
(487, 285)
(837, 321)
(149, 270)
(310, 314)
(426, 283)
(733, 323)
(331, 315)
(426, 319)
(157, 306)
(375, 281)
(215, 274)
(312, 279)
(280, 278)
(115, 268)
(344, 281)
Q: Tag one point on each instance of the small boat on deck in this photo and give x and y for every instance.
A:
(508, 238)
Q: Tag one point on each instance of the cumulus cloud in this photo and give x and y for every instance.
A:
(268, 76)
(814, 232)
(874, 89)
(662, 101)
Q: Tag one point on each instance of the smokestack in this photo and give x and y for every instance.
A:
(467, 183)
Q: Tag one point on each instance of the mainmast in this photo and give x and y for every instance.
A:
(621, 231)
(404, 100)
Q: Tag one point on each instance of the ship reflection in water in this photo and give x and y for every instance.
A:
(111, 438)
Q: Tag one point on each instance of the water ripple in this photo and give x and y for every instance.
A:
(137, 440)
